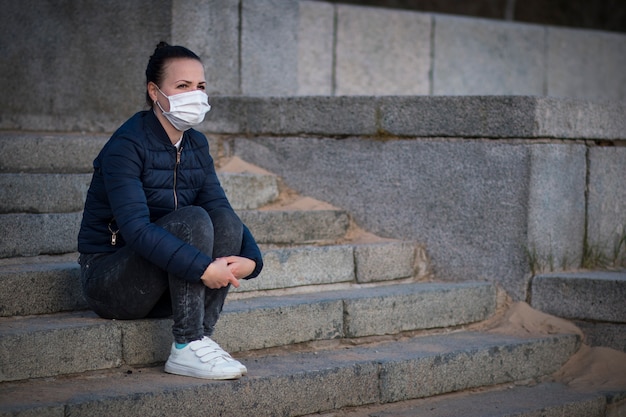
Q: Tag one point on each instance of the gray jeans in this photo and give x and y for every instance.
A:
(123, 285)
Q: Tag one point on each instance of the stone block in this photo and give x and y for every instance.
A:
(43, 343)
(249, 191)
(269, 47)
(586, 64)
(316, 40)
(604, 334)
(487, 57)
(278, 321)
(394, 309)
(384, 261)
(471, 360)
(100, 49)
(40, 289)
(34, 234)
(382, 52)
(296, 226)
(606, 218)
(589, 295)
(293, 267)
(43, 193)
(545, 400)
(556, 206)
(26, 152)
(466, 201)
(145, 341)
(210, 28)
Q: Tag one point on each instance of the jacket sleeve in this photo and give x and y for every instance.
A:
(122, 169)
(212, 196)
(250, 250)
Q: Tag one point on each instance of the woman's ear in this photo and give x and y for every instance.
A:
(152, 91)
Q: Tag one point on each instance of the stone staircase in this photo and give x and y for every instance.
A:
(339, 322)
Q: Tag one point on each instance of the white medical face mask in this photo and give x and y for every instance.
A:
(186, 109)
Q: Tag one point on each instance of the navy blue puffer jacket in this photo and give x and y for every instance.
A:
(139, 176)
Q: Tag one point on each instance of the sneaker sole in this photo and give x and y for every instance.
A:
(176, 369)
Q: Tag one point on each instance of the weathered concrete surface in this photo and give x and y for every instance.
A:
(281, 48)
(44, 288)
(466, 201)
(607, 203)
(498, 117)
(397, 371)
(296, 226)
(583, 66)
(545, 400)
(247, 324)
(480, 56)
(382, 52)
(556, 206)
(589, 295)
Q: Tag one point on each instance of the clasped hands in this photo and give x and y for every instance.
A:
(227, 270)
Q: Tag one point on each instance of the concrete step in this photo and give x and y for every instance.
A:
(64, 193)
(40, 152)
(30, 234)
(67, 343)
(50, 284)
(545, 400)
(296, 384)
(594, 300)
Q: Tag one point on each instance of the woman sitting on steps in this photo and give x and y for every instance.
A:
(158, 236)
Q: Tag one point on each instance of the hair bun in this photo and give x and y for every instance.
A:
(162, 44)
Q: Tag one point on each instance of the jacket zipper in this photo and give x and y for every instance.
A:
(178, 152)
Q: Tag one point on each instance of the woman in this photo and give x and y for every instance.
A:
(158, 236)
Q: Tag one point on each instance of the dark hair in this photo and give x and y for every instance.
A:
(156, 65)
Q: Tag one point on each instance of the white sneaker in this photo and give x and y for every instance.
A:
(201, 359)
(226, 355)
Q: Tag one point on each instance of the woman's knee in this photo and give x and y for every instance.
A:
(226, 224)
(191, 224)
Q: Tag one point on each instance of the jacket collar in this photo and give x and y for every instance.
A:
(153, 123)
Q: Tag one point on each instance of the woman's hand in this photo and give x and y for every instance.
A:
(219, 274)
(239, 266)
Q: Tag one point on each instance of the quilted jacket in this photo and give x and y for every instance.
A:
(139, 176)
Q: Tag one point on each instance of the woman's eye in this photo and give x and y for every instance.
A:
(201, 87)
(182, 86)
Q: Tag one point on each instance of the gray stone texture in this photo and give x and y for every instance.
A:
(586, 64)
(466, 201)
(83, 61)
(96, 344)
(541, 400)
(382, 52)
(299, 266)
(268, 322)
(412, 368)
(556, 205)
(211, 29)
(316, 42)
(296, 226)
(25, 152)
(249, 191)
(281, 48)
(385, 261)
(487, 57)
(604, 334)
(591, 296)
(43, 193)
(420, 116)
(49, 233)
(269, 47)
(395, 309)
(606, 227)
(40, 289)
